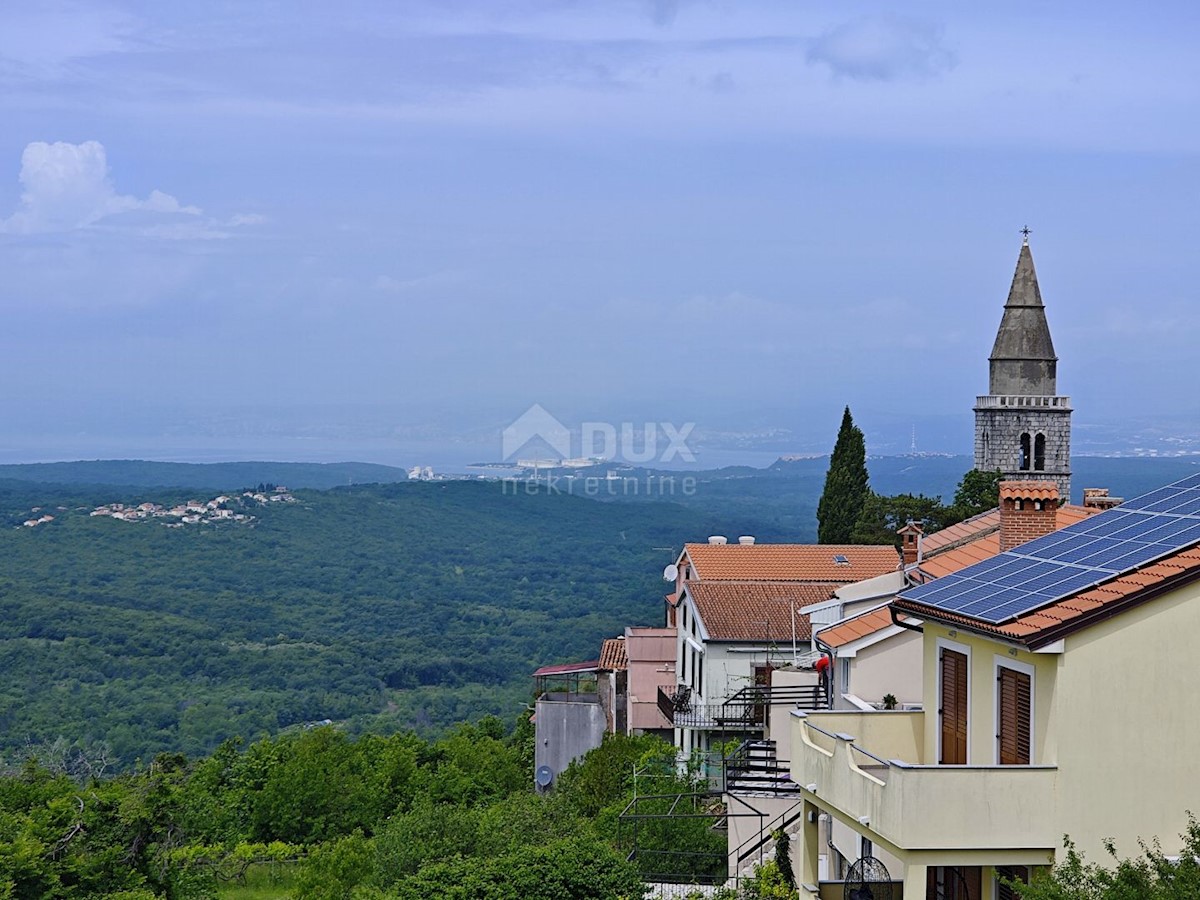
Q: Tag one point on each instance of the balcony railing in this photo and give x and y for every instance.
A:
(1021, 401)
(745, 710)
(868, 767)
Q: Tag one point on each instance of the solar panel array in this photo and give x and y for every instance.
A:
(1050, 568)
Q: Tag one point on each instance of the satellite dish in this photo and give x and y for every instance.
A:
(543, 776)
(671, 572)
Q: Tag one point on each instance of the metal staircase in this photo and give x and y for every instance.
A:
(754, 769)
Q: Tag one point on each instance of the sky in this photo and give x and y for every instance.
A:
(313, 229)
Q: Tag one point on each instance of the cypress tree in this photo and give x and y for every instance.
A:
(846, 487)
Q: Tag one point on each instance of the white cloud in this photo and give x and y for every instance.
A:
(67, 186)
(239, 219)
(882, 48)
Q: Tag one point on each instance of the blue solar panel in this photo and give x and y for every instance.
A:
(1156, 496)
(1105, 524)
(1083, 553)
(1149, 527)
(1022, 575)
(1189, 506)
(997, 601)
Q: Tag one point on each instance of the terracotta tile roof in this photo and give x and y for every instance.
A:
(791, 562)
(612, 655)
(860, 626)
(1028, 490)
(967, 530)
(756, 610)
(986, 544)
(1080, 609)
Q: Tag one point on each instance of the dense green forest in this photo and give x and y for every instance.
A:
(379, 607)
(316, 814)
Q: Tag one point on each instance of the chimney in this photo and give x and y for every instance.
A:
(1028, 510)
(1097, 498)
(746, 540)
(910, 543)
(717, 540)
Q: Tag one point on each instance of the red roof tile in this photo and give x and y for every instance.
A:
(1028, 490)
(612, 655)
(791, 562)
(756, 610)
(860, 626)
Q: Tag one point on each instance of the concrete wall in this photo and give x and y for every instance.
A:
(750, 818)
(1127, 726)
(893, 666)
(848, 843)
(779, 717)
(567, 727)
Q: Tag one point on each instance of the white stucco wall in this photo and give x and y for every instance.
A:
(892, 666)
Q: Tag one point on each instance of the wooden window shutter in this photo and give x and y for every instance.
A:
(954, 708)
(1016, 705)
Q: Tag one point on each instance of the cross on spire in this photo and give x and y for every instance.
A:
(1025, 235)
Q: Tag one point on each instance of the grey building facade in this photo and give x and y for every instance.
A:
(1022, 425)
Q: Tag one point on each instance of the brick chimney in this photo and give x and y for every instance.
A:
(910, 543)
(1028, 510)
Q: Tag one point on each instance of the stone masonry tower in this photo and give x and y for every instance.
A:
(1022, 426)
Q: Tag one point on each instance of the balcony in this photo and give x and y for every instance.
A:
(1020, 401)
(744, 711)
(869, 767)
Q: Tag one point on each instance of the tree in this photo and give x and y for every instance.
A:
(846, 485)
(1151, 876)
(881, 517)
(978, 492)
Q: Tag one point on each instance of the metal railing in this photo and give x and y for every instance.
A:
(745, 710)
(754, 768)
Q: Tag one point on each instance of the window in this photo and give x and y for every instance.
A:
(1039, 452)
(1023, 462)
(1013, 873)
(1014, 715)
(953, 693)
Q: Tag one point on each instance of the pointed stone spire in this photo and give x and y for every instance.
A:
(1023, 361)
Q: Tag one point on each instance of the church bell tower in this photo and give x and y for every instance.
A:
(1022, 425)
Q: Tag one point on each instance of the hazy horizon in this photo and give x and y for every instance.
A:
(397, 226)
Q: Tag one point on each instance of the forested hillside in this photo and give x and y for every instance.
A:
(382, 607)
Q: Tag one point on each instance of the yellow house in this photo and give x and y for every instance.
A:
(1056, 679)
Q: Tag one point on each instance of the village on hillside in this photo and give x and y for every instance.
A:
(926, 716)
(223, 508)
